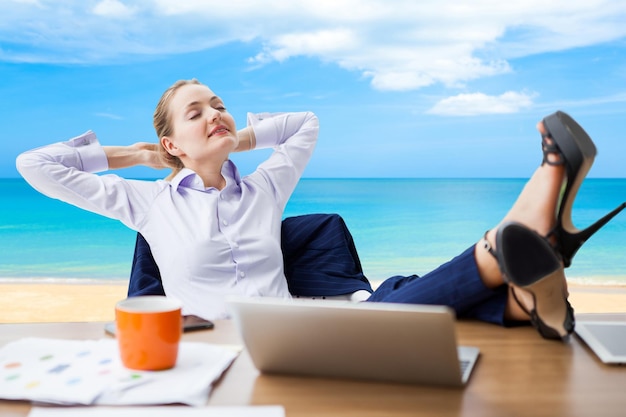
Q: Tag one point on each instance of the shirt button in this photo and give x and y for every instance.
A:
(225, 222)
(235, 245)
(242, 274)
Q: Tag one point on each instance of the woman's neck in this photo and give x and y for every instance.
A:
(213, 179)
(211, 175)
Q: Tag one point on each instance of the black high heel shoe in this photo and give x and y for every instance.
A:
(572, 147)
(529, 262)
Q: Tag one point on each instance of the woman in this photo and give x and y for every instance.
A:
(213, 233)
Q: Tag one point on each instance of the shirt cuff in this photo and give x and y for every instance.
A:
(91, 154)
(264, 131)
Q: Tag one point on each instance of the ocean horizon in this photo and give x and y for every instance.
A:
(400, 227)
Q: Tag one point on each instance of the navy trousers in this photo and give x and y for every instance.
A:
(320, 259)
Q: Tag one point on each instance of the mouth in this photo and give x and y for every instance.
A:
(219, 130)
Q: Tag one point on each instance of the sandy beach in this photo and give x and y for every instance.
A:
(33, 301)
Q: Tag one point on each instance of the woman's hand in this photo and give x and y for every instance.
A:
(140, 153)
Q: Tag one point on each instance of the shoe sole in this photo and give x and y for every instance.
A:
(528, 262)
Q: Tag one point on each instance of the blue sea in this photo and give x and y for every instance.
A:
(400, 227)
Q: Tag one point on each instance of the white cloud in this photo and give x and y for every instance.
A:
(399, 45)
(33, 2)
(321, 43)
(109, 116)
(479, 103)
(113, 8)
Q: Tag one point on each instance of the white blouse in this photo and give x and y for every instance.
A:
(207, 243)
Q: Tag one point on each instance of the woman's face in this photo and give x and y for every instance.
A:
(203, 130)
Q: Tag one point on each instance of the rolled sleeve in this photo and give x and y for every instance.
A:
(90, 153)
(82, 152)
(273, 129)
(266, 135)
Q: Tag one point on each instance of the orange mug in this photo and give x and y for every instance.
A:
(148, 332)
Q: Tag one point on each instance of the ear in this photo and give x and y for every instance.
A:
(170, 146)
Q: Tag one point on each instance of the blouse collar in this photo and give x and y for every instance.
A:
(189, 179)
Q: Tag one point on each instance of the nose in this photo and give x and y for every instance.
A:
(214, 115)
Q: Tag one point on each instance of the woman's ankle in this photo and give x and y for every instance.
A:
(488, 268)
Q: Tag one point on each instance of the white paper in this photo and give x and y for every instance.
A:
(61, 371)
(89, 371)
(189, 382)
(172, 411)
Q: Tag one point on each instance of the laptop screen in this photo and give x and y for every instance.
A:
(606, 339)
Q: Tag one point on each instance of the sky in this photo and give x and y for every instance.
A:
(429, 88)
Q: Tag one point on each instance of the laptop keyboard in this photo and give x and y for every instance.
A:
(464, 367)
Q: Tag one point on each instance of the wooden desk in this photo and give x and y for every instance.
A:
(518, 374)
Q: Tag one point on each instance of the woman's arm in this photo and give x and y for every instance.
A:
(140, 153)
(247, 140)
(293, 137)
(144, 153)
(147, 154)
(66, 171)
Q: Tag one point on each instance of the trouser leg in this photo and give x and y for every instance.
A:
(456, 284)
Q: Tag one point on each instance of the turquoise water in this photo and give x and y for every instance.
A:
(400, 226)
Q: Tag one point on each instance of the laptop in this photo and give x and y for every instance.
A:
(401, 343)
(607, 339)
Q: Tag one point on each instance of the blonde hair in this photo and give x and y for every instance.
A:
(163, 124)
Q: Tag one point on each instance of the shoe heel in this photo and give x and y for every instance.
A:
(570, 241)
(577, 152)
